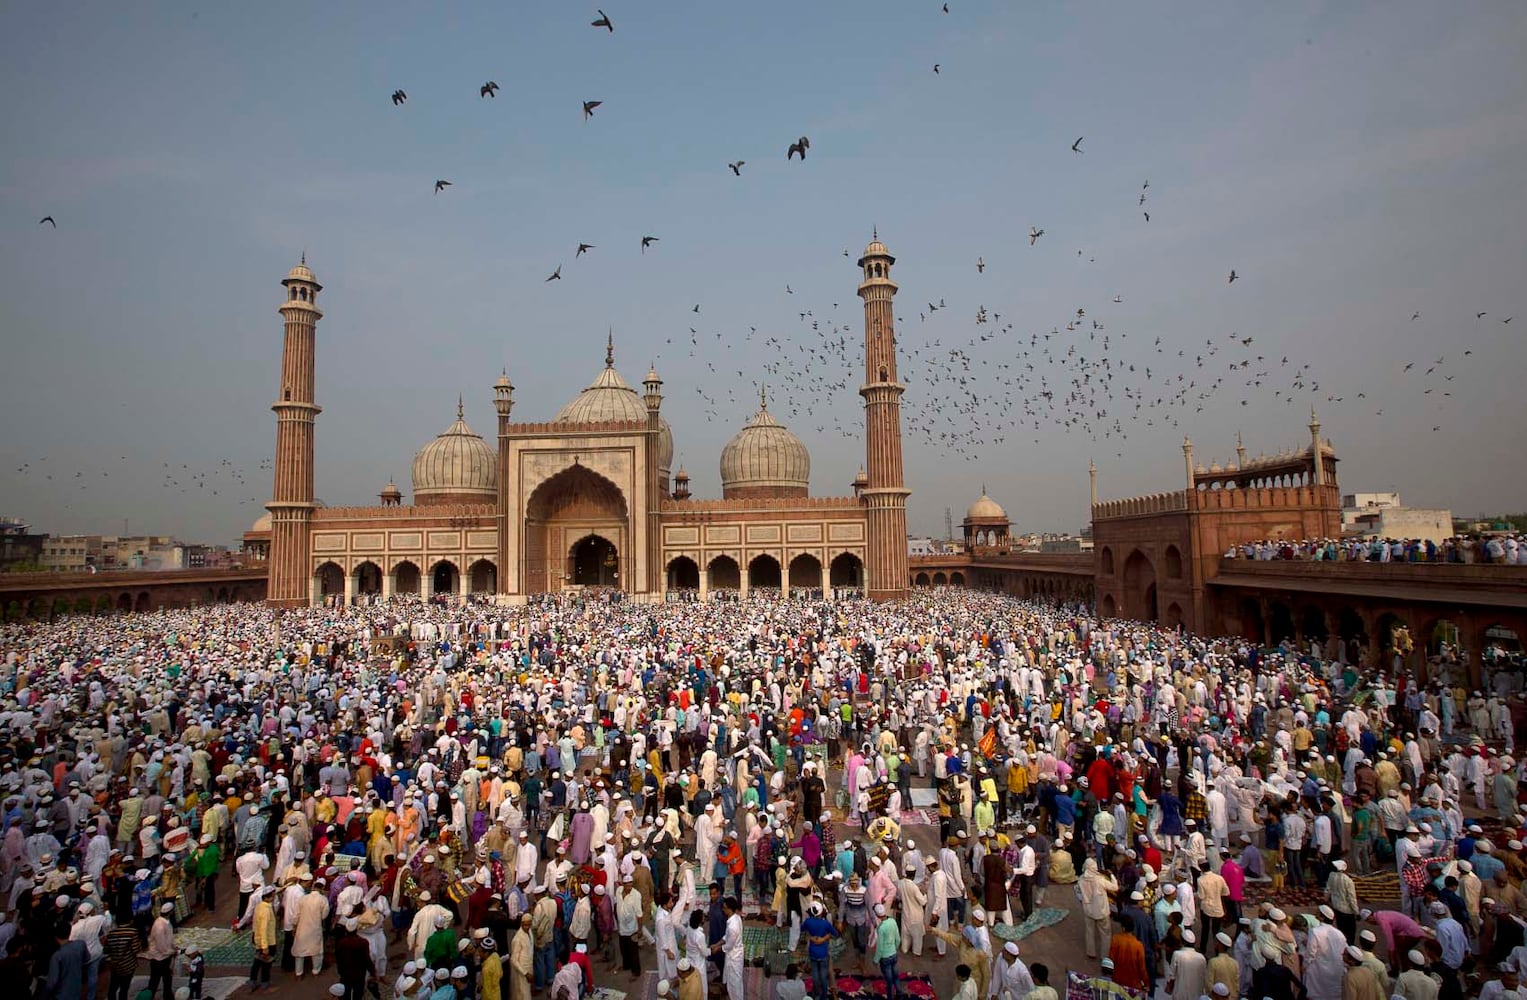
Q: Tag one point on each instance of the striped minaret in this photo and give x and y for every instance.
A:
(291, 506)
(885, 495)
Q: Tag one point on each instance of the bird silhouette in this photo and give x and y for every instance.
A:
(1035, 234)
(798, 146)
(1076, 147)
(935, 69)
(602, 21)
(1506, 320)
(398, 97)
(1147, 216)
(980, 266)
(441, 186)
(583, 248)
(1233, 276)
(1414, 316)
(556, 275)
(647, 241)
(1479, 315)
(49, 220)
(737, 167)
(946, 8)
(489, 89)
(588, 109)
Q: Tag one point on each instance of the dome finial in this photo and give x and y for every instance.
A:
(609, 350)
(461, 410)
(983, 489)
(763, 397)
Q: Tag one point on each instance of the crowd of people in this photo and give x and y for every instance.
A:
(443, 802)
(1497, 549)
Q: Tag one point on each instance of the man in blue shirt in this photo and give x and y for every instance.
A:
(819, 932)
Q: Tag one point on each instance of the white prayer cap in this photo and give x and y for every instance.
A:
(1011, 948)
(1416, 956)
(1327, 912)
(1339, 865)
(1189, 937)
(1367, 937)
(1224, 939)
(1354, 952)
(685, 965)
(1221, 990)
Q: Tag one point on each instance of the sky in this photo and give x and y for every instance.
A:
(1353, 163)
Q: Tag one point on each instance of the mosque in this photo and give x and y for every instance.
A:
(589, 498)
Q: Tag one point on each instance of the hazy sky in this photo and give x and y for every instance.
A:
(1354, 163)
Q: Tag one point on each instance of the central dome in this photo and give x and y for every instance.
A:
(609, 399)
(456, 467)
(764, 460)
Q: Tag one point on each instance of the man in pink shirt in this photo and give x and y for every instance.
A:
(1400, 933)
(1235, 889)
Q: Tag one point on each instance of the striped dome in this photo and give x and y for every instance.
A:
(457, 466)
(765, 456)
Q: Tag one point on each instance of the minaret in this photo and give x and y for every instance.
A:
(503, 402)
(885, 495)
(652, 388)
(1092, 480)
(291, 505)
(1187, 458)
(1320, 465)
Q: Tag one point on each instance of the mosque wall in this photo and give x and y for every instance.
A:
(774, 543)
(382, 551)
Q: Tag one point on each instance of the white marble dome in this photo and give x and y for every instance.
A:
(458, 466)
(985, 509)
(608, 398)
(765, 456)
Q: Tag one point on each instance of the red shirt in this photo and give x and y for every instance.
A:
(581, 960)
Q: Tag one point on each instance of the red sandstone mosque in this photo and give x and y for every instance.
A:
(589, 498)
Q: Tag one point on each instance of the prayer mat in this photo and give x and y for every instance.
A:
(773, 943)
(868, 987)
(924, 798)
(754, 984)
(1046, 916)
(220, 945)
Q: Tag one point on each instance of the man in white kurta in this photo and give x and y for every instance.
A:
(1189, 971)
(733, 954)
(913, 913)
(1324, 969)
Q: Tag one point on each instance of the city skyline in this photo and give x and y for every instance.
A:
(1344, 165)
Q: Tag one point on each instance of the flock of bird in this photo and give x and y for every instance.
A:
(979, 383)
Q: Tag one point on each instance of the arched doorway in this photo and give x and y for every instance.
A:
(1313, 621)
(1110, 607)
(405, 578)
(561, 514)
(482, 577)
(103, 605)
(1281, 620)
(594, 562)
(956, 579)
(921, 580)
(142, 603)
(444, 578)
(368, 578)
(125, 603)
(940, 580)
(764, 574)
(723, 574)
(805, 573)
(329, 582)
(683, 574)
(846, 572)
(1172, 561)
(1140, 587)
(1251, 619)
(1173, 617)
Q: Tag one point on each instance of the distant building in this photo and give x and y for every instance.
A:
(71, 553)
(1382, 515)
(19, 547)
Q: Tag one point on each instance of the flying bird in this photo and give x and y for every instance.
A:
(1142, 198)
(556, 275)
(489, 89)
(1034, 235)
(588, 109)
(737, 167)
(1147, 216)
(583, 248)
(441, 186)
(1479, 315)
(1414, 316)
(946, 8)
(799, 146)
(1076, 147)
(980, 266)
(602, 21)
(935, 69)
(398, 97)
(49, 220)
(697, 307)
(647, 241)
(1233, 276)
(1506, 320)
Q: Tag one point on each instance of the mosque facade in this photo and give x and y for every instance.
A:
(589, 498)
